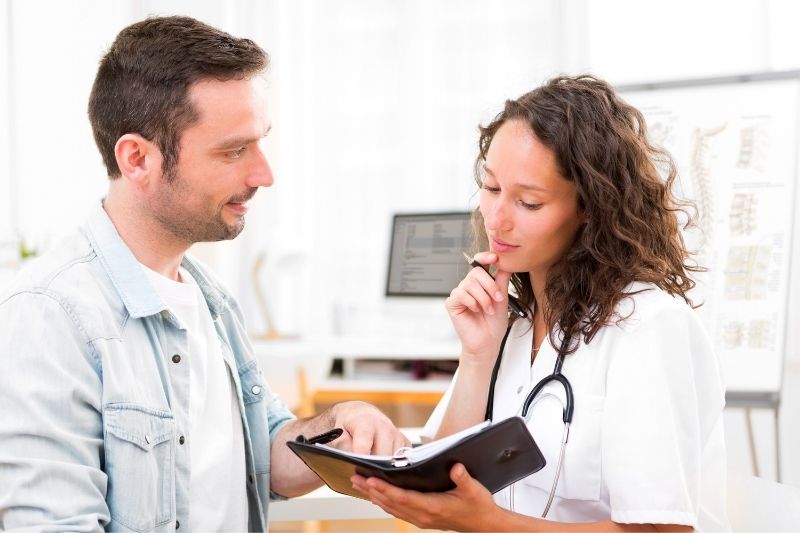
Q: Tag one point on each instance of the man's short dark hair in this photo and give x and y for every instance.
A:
(142, 84)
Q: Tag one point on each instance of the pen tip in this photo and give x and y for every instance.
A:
(466, 255)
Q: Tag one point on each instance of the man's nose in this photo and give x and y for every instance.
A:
(261, 172)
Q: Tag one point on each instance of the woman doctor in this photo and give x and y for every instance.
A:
(578, 220)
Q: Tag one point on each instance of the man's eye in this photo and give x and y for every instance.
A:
(235, 154)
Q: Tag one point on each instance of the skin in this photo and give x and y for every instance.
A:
(531, 216)
(221, 165)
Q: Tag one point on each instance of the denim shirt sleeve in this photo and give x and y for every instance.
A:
(278, 416)
(51, 430)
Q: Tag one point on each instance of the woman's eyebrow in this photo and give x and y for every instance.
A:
(521, 185)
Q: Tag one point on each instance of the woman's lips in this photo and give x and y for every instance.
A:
(500, 246)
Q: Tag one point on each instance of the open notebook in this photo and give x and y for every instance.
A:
(496, 454)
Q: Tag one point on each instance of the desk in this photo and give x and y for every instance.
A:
(325, 504)
(299, 370)
(418, 392)
(755, 386)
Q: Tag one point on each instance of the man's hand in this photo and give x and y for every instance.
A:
(366, 429)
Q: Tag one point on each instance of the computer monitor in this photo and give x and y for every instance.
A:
(425, 257)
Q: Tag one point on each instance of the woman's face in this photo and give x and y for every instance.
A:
(530, 211)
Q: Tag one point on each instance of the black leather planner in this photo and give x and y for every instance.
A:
(496, 455)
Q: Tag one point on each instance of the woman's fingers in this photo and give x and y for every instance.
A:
(481, 287)
(478, 292)
(497, 287)
(485, 258)
(501, 280)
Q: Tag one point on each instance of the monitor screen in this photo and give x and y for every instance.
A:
(425, 257)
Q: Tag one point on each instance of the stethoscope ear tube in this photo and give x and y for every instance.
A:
(569, 406)
(490, 399)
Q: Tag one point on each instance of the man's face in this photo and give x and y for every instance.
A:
(221, 163)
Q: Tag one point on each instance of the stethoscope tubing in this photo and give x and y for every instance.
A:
(568, 411)
(569, 408)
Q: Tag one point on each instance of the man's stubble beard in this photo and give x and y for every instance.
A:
(171, 213)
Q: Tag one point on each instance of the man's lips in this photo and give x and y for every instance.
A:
(239, 203)
(239, 207)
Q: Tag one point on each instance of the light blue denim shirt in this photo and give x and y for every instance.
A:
(94, 403)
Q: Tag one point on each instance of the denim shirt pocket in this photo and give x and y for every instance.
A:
(139, 462)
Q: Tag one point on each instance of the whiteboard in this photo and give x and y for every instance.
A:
(734, 141)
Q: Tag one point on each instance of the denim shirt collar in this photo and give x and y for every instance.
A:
(124, 271)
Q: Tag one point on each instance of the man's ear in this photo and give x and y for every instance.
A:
(139, 160)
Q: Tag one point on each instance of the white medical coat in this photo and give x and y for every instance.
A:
(646, 443)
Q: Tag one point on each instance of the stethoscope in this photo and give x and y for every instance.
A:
(569, 407)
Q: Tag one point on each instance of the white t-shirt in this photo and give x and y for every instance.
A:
(646, 444)
(217, 494)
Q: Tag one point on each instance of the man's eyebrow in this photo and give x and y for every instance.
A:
(526, 186)
(235, 142)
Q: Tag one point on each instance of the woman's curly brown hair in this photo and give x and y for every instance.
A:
(631, 230)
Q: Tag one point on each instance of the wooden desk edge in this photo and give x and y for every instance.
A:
(426, 398)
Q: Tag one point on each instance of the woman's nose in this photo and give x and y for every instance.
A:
(497, 218)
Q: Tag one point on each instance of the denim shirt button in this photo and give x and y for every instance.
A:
(256, 390)
(181, 439)
(177, 524)
(176, 358)
(147, 438)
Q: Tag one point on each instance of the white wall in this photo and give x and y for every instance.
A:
(375, 106)
(57, 172)
(6, 187)
(8, 237)
(377, 112)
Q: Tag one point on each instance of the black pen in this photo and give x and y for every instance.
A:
(513, 304)
(322, 438)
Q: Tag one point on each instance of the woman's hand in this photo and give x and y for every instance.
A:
(468, 507)
(478, 308)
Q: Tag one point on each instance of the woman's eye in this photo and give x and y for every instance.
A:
(532, 207)
(490, 189)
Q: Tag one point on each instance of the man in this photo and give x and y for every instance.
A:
(130, 398)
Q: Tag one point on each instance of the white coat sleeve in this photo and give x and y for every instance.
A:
(664, 397)
(437, 416)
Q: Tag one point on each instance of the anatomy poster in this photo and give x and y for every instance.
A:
(735, 145)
